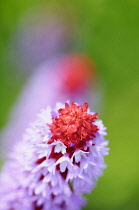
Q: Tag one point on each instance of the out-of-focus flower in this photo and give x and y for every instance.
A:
(71, 77)
(43, 34)
(59, 159)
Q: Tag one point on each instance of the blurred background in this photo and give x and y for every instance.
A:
(105, 31)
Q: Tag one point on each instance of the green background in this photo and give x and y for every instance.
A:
(110, 35)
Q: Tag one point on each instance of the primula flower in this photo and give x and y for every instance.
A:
(59, 159)
(69, 77)
(43, 34)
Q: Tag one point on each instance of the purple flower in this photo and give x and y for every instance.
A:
(59, 159)
(69, 77)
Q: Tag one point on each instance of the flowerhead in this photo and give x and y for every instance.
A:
(59, 159)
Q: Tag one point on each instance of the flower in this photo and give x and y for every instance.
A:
(67, 77)
(59, 159)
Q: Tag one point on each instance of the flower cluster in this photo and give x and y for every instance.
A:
(73, 77)
(59, 159)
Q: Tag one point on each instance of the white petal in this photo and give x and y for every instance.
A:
(63, 166)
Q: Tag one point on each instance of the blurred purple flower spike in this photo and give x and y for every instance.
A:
(59, 159)
(71, 77)
(43, 34)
